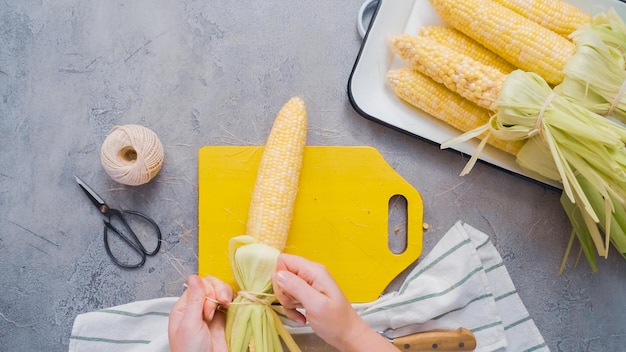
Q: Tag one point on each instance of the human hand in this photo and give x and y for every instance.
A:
(195, 324)
(301, 283)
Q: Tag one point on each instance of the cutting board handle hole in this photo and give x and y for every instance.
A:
(396, 224)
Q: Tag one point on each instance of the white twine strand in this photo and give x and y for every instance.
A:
(617, 99)
(542, 111)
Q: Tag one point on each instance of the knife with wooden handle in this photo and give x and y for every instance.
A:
(436, 340)
(460, 339)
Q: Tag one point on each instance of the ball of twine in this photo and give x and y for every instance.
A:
(132, 154)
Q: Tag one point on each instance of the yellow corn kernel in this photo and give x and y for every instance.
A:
(556, 15)
(276, 186)
(469, 78)
(463, 44)
(445, 105)
(520, 41)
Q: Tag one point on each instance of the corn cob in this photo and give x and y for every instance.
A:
(435, 99)
(251, 323)
(556, 15)
(520, 41)
(469, 78)
(271, 207)
(463, 44)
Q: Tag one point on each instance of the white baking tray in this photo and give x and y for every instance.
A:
(372, 97)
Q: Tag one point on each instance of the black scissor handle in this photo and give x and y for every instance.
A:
(133, 241)
(154, 225)
(133, 245)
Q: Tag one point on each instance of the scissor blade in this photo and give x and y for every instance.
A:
(92, 195)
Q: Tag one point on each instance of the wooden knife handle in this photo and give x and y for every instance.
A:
(437, 340)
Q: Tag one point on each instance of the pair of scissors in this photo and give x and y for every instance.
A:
(125, 231)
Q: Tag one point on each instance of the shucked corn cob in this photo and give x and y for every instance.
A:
(556, 15)
(435, 99)
(463, 44)
(580, 143)
(520, 41)
(271, 207)
(251, 323)
(469, 78)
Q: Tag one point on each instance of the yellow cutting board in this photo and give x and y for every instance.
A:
(340, 215)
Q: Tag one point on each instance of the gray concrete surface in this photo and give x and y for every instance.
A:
(215, 73)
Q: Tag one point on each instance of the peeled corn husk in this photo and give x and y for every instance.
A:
(609, 27)
(578, 142)
(588, 233)
(254, 321)
(595, 76)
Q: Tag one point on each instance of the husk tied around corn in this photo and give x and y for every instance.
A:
(251, 322)
(570, 144)
(595, 76)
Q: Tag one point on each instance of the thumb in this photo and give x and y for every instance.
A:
(195, 299)
(297, 288)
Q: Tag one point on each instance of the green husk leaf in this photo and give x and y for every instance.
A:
(613, 213)
(253, 264)
(577, 138)
(569, 141)
(609, 26)
(535, 158)
(595, 75)
(579, 228)
(568, 249)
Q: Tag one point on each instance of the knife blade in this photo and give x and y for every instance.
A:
(461, 339)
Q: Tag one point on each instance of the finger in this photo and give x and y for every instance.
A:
(217, 328)
(195, 302)
(313, 273)
(223, 291)
(301, 291)
(177, 312)
(295, 315)
(217, 293)
(210, 303)
(218, 324)
(285, 299)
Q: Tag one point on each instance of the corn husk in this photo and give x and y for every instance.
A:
(535, 158)
(612, 227)
(537, 161)
(575, 141)
(580, 231)
(595, 76)
(251, 320)
(608, 26)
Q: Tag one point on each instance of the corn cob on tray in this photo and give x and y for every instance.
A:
(374, 98)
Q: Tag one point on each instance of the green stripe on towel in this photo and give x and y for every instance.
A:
(131, 314)
(534, 348)
(506, 295)
(432, 295)
(514, 324)
(488, 326)
(483, 244)
(406, 283)
(100, 339)
(479, 298)
(494, 267)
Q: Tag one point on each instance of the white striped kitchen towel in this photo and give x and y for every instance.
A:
(462, 282)
(139, 326)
